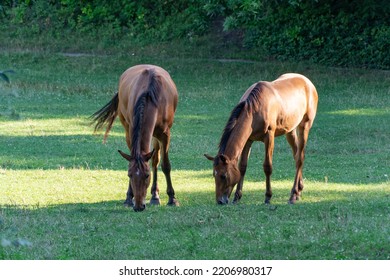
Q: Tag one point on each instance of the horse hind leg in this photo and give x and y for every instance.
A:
(166, 168)
(267, 165)
(155, 199)
(293, 140)
(303, 133)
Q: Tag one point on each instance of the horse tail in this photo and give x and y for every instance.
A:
(106, 115)
(153, 86)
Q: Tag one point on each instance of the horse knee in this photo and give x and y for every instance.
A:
(166, 167)
(237, 196)
(267, 169)
(300, 185)
(243, 170)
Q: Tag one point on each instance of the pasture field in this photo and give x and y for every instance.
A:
(61, 189)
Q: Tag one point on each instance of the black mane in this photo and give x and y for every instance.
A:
(250, 103)
(149, 96)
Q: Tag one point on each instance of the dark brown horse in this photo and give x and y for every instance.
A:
(286, 106)
(146, 103)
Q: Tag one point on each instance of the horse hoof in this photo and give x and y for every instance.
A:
(292, 201)
(174, 202)
(128, 204)
(155, 201)
(267, 201)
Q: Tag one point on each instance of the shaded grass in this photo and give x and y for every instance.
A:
(62, 189)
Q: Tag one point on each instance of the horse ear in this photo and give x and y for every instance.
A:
(223, 158)
(149, 155)
(209, 157)
(125, 156)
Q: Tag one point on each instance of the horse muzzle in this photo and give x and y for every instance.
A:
(139, 208)
(223, 200)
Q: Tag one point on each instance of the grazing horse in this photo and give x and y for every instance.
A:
(286, 106)
(146, 103)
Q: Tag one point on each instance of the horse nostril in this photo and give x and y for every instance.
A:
(223, 200)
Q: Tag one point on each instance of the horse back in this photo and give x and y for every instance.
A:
(285, 103)
(294, 85)
(135, 81)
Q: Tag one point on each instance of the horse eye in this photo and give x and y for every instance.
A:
(223, 176)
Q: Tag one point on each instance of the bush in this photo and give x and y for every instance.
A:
(346, 33)
(147, 18)
(335, 32)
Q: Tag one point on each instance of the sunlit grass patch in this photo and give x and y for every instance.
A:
(46, 127)
(67, 186)
(55, 187)
(80, 125)
(374, 112)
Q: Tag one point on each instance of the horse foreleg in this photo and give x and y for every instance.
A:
(155, 200)
(129, 197)
(243, 164)
(129, 194)
(303, 133)
(166, 168)
(267, 165)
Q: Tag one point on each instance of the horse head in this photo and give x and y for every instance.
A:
(139, 174)
(226, 175)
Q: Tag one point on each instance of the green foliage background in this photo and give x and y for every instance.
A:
(339, 33)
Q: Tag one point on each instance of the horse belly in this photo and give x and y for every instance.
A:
(286, 125)
(290, 118)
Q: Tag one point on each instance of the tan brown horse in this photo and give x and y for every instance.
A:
(146, 103)
(286, 106)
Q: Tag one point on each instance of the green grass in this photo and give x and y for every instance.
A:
(61, 189)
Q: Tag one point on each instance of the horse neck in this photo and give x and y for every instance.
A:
(239, 136)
